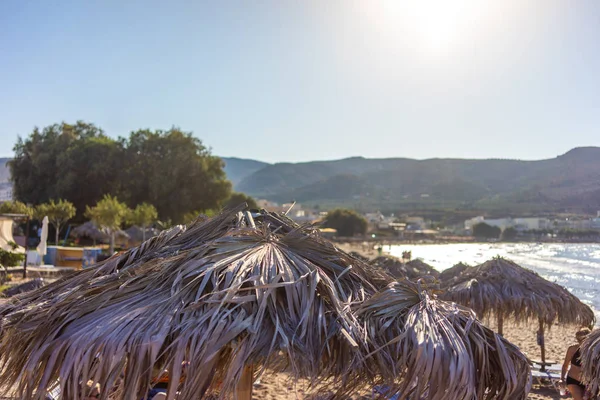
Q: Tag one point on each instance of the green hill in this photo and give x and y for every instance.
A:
(569, 182)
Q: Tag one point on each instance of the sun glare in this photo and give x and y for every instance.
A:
(436, 26)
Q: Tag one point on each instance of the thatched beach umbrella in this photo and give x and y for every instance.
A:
(457, 357)
(502, 288)
(398, 269)
(90, 230)
(223, 294)
(590, 357)
(453, 272)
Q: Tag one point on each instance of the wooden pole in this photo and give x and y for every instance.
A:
(26, 240)
(244, 388)
(500, 323)
(540, 340)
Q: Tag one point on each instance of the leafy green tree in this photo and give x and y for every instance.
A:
(15, 207)
(57, 212)
(170, 169)
(41, 166)
(109, 213)
(174, 171)
(509, 234)
(143, 215)
(89, 169)
(483, 230)
(238, 198)
(346, 222)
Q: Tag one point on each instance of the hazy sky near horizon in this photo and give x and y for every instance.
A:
(304, 80)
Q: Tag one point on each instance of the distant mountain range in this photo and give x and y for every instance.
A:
(237, 169)
(569, 183)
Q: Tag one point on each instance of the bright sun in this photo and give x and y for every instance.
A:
(434, 25)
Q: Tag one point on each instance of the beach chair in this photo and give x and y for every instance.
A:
(552, 377)
(548, 365)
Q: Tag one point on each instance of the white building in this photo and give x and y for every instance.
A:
(528, 224)
(522, 224)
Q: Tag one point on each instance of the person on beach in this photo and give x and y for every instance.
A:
(572, 364)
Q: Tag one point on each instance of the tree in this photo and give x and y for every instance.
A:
(483, 230)
(238, 198)
(109, 213)
(174, 171)
(143, 215)
(346, 222)
(91, 168)
(79, 163)
(42, 168)
(16, 207)
(509, 234)
(57, 213)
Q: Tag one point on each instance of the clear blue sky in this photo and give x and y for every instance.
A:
(303, 80)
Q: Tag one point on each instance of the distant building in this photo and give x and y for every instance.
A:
(521, 224)
(528, 224)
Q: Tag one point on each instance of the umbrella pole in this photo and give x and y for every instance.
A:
(244, 387)
(540, 340)
(500, 323)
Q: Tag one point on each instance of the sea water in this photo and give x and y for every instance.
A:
(574, 266)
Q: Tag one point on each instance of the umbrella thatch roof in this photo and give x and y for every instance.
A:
(465, 360)
(412, 270)
(90, 230)
(222, 294)
(225, 293)
(136, 233)
(590, 357)
(500, 285)
(453, 272)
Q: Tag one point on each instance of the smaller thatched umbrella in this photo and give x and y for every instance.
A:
(457, 357)
(502, 288)
(90, 230)
(590, 357)
(411, 270)
(453, 272)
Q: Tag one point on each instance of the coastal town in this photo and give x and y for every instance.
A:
(414, 227)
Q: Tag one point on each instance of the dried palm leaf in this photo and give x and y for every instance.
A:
(590, 358)
(437, 350)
